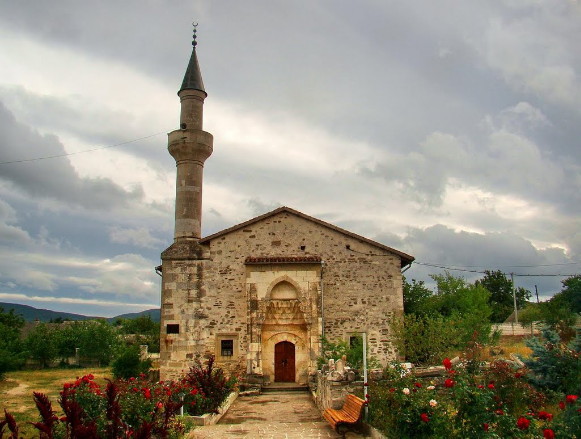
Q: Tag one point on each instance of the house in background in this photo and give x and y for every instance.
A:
(260, 295)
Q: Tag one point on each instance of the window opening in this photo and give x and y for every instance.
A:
(172, 328)
(226, 348)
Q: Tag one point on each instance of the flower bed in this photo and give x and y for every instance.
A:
(498, 402)
(133, 408)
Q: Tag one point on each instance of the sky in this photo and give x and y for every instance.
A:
(449, 130)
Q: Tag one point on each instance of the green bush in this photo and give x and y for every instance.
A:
(129, 363)
(554, 365)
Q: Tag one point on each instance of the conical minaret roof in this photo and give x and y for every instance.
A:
(193, 77)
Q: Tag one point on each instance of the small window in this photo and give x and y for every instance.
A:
(226, 348)
(355, 340)
(172, 328)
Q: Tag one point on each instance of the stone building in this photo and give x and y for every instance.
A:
(260, 295)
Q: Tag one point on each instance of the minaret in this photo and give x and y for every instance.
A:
(190, 146)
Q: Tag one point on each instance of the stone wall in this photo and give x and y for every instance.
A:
(219, 295)
(332, 394)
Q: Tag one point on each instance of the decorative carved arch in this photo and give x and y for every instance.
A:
(287, 336)
(284, 278)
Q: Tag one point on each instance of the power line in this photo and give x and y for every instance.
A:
(80, 152)
(467, 269)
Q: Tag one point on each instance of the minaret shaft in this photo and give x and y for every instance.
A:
(190, 146)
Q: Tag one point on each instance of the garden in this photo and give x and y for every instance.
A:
(136, 407)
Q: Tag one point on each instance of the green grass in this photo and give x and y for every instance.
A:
(16, 392)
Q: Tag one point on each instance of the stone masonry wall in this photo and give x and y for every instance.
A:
(360, 293)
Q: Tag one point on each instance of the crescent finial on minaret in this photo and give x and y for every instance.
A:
(194, 42)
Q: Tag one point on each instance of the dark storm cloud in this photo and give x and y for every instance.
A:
(440, 245)
(58, 180)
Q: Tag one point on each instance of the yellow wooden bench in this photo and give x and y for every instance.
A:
(347, 416)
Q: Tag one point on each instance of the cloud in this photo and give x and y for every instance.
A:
(535, 49)
(59, 181)
(140, 237)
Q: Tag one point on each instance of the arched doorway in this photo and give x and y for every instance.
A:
(284, 362)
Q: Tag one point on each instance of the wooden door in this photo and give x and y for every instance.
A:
(284, 362)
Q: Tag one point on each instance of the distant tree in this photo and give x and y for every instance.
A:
(467, 306)
(415, 296)
(501, 297)
(145, 330)
(570, 296)
(442, 322)
(98, 340)
(11, 348)
(41, 344)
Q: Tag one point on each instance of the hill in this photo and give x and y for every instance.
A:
(30, 314)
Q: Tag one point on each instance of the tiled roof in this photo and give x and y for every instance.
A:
(283, 260)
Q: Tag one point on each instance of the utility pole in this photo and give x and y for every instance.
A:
(514, 298)
(537, 293)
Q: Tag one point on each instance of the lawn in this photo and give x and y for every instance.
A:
(16, 392)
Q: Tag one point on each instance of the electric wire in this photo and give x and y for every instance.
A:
(81, 152)
(469, 270)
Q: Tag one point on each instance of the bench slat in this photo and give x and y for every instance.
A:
(348, 415)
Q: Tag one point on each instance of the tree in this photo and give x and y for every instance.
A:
(442, 322)
(570, 296)
(41, 344)
(11, 349)
(144, 329)
(501, 297)
(415, 296)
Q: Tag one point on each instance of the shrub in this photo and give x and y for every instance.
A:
(555, 366)
(352, 351)
(206, 388)
(499, 403)
(129, 363)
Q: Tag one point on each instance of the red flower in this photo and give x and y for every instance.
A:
(160, 405)
(544, 416)
(499, 412)
(449, 383)
(548, 433)
(147, 393)
(485, 426)
(523, 423)
(571, 399)
(561, 405)
(518, 375)
(447, 363)
(425, 417)
(491, 386)
(418, 384)
(480, 386)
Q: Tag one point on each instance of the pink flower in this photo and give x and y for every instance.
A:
(433, 403)
(548, 433)
(406, 391)
(523, 423)
(424, 417)
(449, 383)
(447, 363)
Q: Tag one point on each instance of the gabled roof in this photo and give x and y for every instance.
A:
(405, 258)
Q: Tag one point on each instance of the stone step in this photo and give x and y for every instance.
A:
(284, 387)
